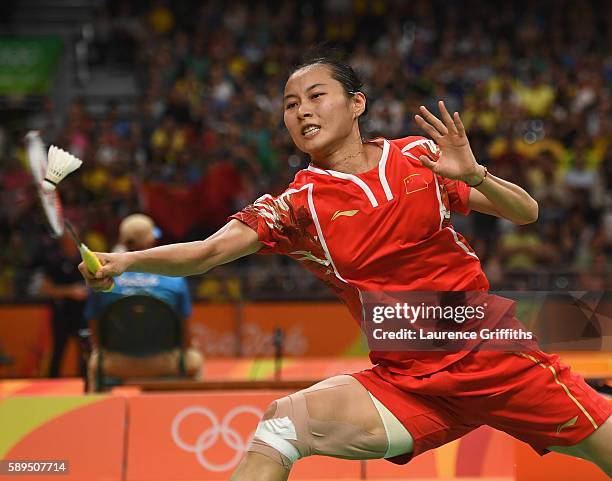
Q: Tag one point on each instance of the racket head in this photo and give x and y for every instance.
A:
(50, 201)
(54, 214)
(36, 155)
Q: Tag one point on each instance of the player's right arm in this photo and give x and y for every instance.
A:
(231, 242)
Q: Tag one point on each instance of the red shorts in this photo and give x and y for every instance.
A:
(531, 396)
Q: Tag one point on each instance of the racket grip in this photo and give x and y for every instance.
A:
(92, 262)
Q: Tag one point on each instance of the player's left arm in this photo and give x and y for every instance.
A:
(490, 195)
(498, 197)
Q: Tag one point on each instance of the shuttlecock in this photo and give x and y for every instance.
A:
(60, 164)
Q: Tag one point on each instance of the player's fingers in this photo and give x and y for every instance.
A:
(105, 271)
(448, 121)
(427, 162)
(109, 265)
(427, 128)
(101, 284)
(102, 257)
(459, 124)
(433, 120)
(85, 272)
(93, 283)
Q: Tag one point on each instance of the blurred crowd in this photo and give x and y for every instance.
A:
(533, 81)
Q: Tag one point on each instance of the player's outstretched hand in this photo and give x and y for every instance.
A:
(456, 160)
(112, 265)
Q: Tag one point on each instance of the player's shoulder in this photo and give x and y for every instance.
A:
(303, 178)
(415, 145)
(300, 183)
(406, 141)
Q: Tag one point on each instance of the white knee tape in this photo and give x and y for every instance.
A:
(275, 432)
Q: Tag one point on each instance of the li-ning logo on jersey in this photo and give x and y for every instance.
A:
(567, 424)
(347, 213)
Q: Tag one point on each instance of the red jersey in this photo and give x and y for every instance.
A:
(387, 229)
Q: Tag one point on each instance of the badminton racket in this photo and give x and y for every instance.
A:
(49, 200)
(51, 203)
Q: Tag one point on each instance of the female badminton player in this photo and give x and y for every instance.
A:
(370, 216)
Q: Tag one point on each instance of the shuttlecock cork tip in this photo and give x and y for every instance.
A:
(47, 186)
(60, 164)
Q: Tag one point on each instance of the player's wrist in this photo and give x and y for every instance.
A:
(476, 178)
(130, 260)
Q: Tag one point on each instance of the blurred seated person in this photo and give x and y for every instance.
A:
(61, 284)
(136, 232)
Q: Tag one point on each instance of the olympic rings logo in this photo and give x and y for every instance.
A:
(210, 436)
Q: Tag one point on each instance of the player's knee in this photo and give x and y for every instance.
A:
(276, 435)
(270, 411)
(293, 428)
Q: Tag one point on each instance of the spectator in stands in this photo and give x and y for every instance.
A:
(137, 231)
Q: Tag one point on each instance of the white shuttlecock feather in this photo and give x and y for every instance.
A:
(60, 163)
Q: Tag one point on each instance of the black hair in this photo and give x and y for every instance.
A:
(340, 70)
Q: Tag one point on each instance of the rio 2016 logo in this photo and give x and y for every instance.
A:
(219, 431)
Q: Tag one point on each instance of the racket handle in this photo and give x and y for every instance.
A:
(92, 262)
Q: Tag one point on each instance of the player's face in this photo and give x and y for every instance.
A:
(317, 111)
